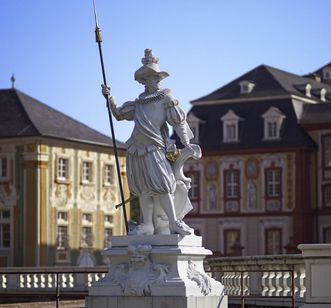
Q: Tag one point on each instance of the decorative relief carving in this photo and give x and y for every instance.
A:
(61, 195)
(252, 195)
(109, 195)
(137, 276)
(202, 280)
(87, 193)
(8, 196)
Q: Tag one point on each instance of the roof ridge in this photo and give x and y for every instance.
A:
(17, 92)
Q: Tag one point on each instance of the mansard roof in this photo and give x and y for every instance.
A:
(268, 82)
(273, 88)
(24, 116)
(251, 126)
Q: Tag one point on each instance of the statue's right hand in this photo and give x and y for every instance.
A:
(106, 91)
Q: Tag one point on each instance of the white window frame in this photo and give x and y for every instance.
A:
(230, 127)
(232, 184)
(326, 74)
(108, 174)
(272, 117)
(194, 192)
(246, 86)
(62, 168)
(2, 175)
(194, 124)
(5, 221)
(87, 241)
(273, 183)
(62, 237)
(87, 172)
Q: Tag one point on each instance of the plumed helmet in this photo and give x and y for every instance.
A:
(150, 67)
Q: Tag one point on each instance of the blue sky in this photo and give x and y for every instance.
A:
(49, 45)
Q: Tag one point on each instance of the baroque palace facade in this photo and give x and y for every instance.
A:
(263, 185)
(58, 186)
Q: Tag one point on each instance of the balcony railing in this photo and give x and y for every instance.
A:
(277, 280)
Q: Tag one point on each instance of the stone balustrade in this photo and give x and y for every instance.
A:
(262, 279)
(28, 279)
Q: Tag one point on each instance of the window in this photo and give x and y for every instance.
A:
(62, 237)
(63, 169)
(230, 132)
(62, 216)
(109, 219)
(108, 174)
(4, 229)
(194, 124)
(193, 193)
(230, 126)
(231, 181)
(272, 129)
(232, 242)
(87, 217)
(327, 195)
(87, 172)
(108, 236)
(3, 168)
(273, 241)
(273, 182)
(246, 86)
(87, 237)
(327, 235)
(273, 120)
(326, 141)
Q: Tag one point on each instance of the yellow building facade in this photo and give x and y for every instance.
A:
(57, 193)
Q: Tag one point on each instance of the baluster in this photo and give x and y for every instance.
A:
(301, 277)
(3, 281)
(35, 281)
(63, 280)
(286, 284)
(271, 283)
(21, 281)
(42, 281)
(29, 281)
(246, 281)
(278, 283)
(71, 280)
(264, 283)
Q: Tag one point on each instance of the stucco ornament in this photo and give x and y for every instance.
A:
(137, 276)
(61, 193)
(202, 280)
(154, 164)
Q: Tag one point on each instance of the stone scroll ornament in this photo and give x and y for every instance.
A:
(202, 280)
(137, 276)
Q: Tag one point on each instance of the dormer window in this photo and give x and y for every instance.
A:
(230, 127)
(273, 120)
(308, 89)
(327, 74)
(246, 86)
(323, 95)
(194, 124)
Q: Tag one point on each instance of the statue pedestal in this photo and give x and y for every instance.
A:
(156, 271)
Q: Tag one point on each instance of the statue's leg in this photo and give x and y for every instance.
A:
(175, 226)
(146, 206)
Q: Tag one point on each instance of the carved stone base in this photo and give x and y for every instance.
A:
(156, 270)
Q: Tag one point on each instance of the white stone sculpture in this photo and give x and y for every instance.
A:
(137, 276)
(154, 164)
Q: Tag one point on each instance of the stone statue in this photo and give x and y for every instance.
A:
(154, 164)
